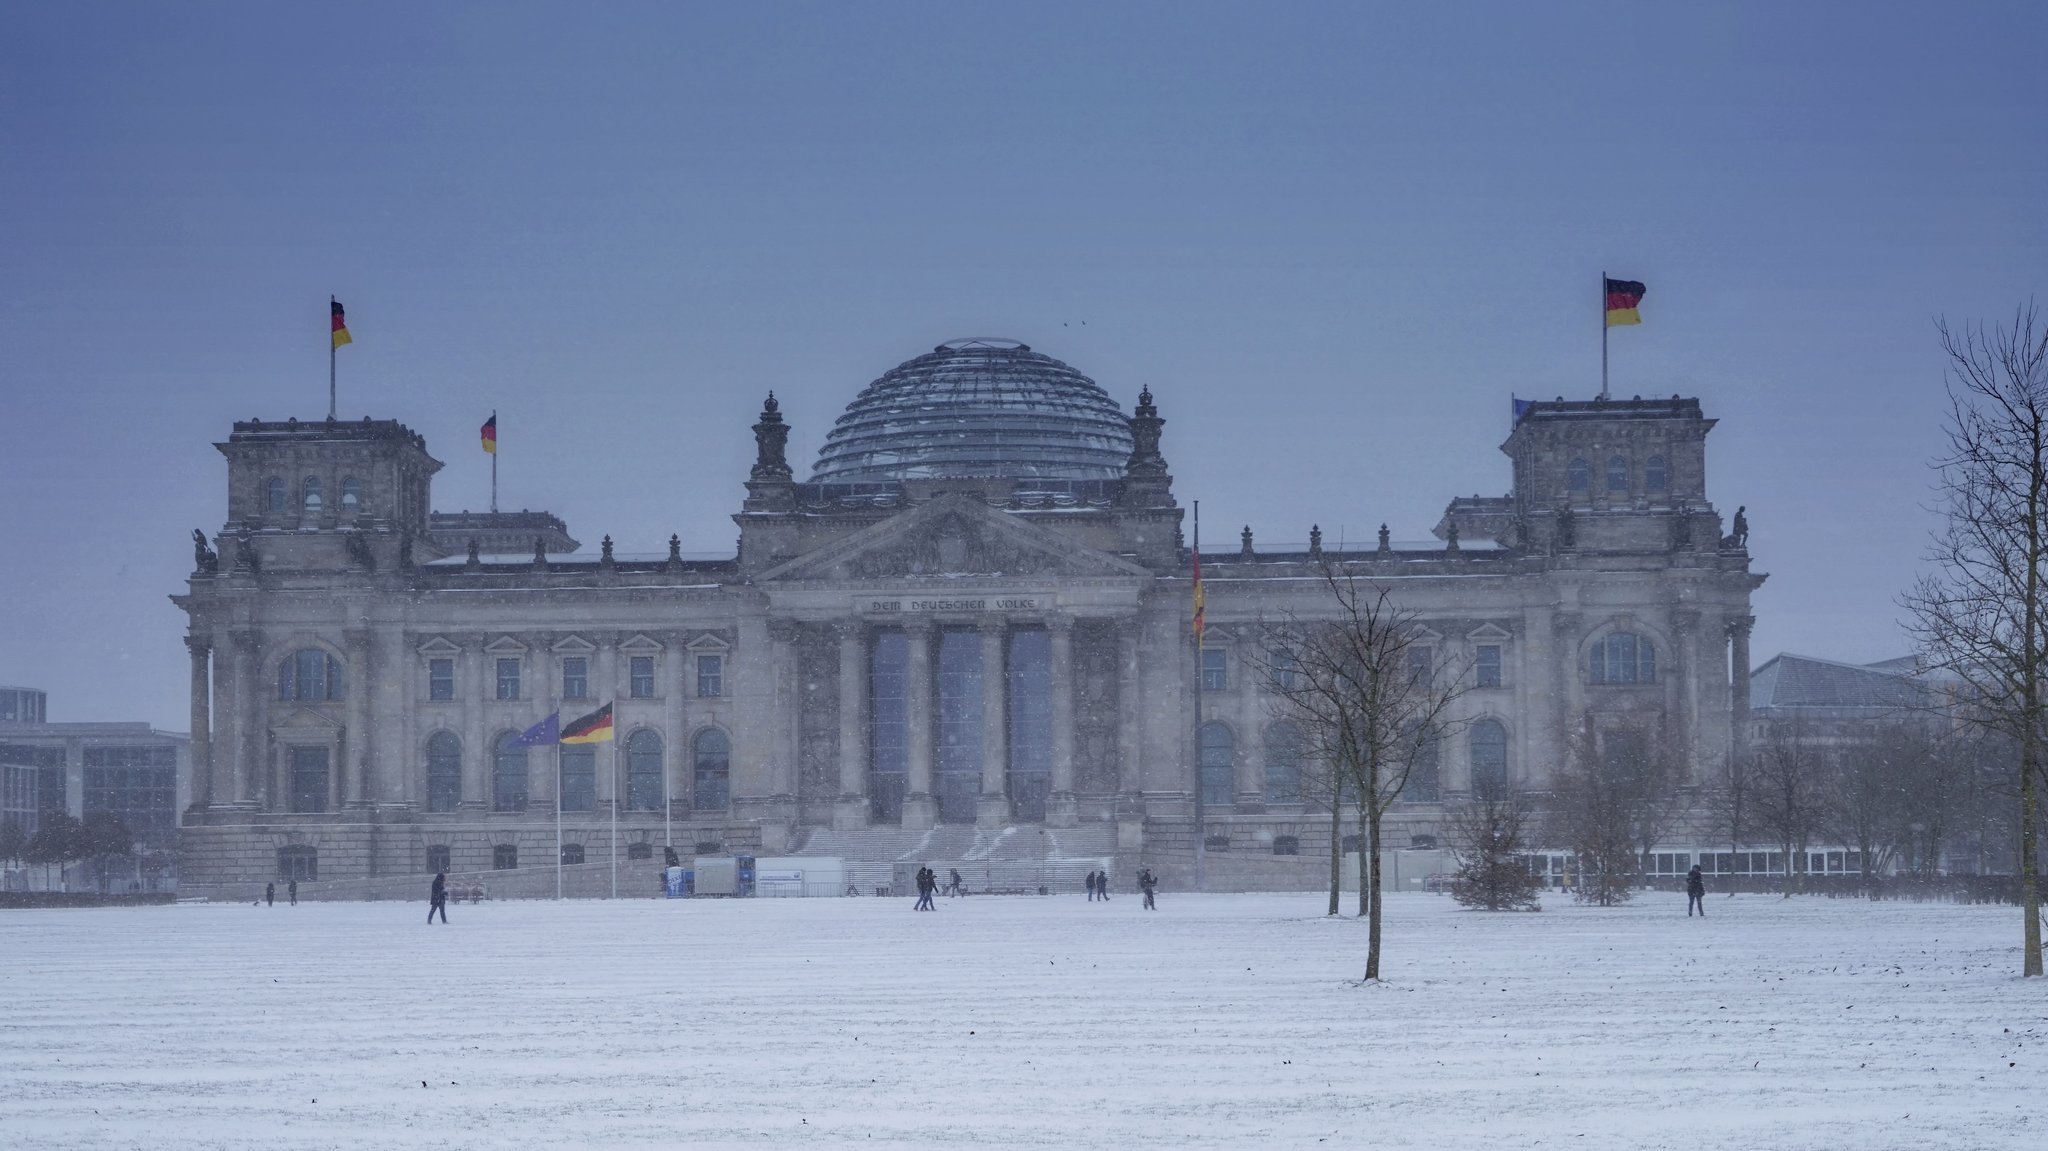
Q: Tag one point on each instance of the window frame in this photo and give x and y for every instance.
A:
(511, 664)
(575, 677)
(440, 686)
(1489, 670)
(640, 676)
(713, 685)
(1215, 668)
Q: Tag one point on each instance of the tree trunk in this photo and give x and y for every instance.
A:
(2030, 885)
(1372, 926)
(1364, 909)
(1336, 854)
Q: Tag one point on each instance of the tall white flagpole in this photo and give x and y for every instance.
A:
(1603, 335)
(615, 809)
(558, 819)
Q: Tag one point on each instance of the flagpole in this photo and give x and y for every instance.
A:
(331, 301)
(615, 818)
(1603, 335)
(1201, 782)
(558, 821)
(494, 463)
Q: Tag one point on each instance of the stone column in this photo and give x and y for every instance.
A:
(920, 806)
(992, 809)
(1738, 685)
(202, 717)
(1062, 809)
(254, 751)
(1129, 762)
(351, 784)
(1248, 768)
(788, 714)
(1685, 626)
(675, 729)
(851, 810)
(227, 727)
(476, 748)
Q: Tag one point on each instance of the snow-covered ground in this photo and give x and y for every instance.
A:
(1218, 1021)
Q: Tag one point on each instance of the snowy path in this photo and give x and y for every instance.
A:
(1219, 1021)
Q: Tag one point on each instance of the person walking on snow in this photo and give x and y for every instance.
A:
(292, 893)
(270, 895)
(1102, 886)
(1090, 881)
(926, 882)
(1147, 883)
(438, 897)
(959, 887)
(1695, 892)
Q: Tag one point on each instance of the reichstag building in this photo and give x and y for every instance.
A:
(967, 627)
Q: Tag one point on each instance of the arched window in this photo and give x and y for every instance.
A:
(572, 853)
(1489, 751)
(1283, 763)
(309, 674)
(444, 772)
(577, 763)
(1621, 657)
(1218, 752)
(351, 494)
(273, 495)
(508, 774)
(711, 769)
(311, 488)
(1654, 478)
(1578, 476)
(643, 771)
(1617, 474)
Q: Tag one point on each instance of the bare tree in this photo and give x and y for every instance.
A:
(1613, 798)
(1790, 773)
(1730, 800)
(1983, 614)
(1490, 835)
(1369, 703)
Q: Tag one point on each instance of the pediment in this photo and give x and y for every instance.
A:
(574, 645)
(953, 535)
(304, 721)
(1489, 633)
(642, 645)
(505, 645)
(439, 646)
(708, 642)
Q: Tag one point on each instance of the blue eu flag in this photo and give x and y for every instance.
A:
(546, 731)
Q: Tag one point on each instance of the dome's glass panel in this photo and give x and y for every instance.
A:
(978, 408)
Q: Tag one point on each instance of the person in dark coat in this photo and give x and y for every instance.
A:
(291, 893)
(959, 886)
(438, 897)
(1102, 886)
(1090, 881)
(270, 895)
(927, 882)
(1147, 884)
(1695, 892)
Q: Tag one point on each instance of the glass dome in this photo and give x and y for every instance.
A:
(980, 407)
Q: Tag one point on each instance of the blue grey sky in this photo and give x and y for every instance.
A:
(1333, 239)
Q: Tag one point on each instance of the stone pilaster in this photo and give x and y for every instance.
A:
(1062, 808)
(252, 750)
(851, 809)
(202, 716)
(1685, 624)
(352, 775)
(920, 806)
(470, 683)
(1738, 685)
(1129, 697)
(992, 807)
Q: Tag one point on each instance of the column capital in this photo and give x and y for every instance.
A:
(1060, 621)
(199, 645)
(1739, 626)
(782, 629)
(850, 630)
(993, 624)
(920, 625)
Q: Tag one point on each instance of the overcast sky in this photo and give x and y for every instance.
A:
(1333, 239)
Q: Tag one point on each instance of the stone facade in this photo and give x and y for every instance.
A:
(1003, 651)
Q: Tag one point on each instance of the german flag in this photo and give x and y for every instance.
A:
(593, 728)
(491, 435)
(341, 335)
(1622, 298)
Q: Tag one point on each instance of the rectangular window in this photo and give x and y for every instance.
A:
(1486, 665)
(437, 857)
(575, 678)
(309, 779)
(440, 679)
(579, 777)
(508, 679)
(1215, 669)
(1421, 664)
(710, 676)
(643, 677)
(136, 784)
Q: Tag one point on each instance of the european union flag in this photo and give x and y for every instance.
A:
(1521, 408)
(545, 732)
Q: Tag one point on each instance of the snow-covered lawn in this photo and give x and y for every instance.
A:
(1218, 1021)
